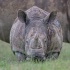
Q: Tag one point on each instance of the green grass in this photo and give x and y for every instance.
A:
(8, 60)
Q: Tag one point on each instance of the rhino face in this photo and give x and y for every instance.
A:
(36, 39)
(35, 35)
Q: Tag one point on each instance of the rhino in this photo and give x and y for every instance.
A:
(36, 34)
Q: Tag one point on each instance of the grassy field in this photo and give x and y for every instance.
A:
(8, 60)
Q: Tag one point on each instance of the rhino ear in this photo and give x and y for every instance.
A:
(22, 16)
(51, 17)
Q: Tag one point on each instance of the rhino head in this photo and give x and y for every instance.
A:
(36, 34)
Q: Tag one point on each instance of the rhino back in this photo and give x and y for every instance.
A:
(36, 12)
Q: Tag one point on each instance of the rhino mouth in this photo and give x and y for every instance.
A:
(36, 57)
(39, 58)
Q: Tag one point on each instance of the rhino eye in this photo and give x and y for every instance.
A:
(27, 42)
(45, 41)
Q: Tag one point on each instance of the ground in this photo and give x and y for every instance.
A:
(8, 60)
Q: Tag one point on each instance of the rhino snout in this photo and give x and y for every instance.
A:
(36, 44)
(39, 57)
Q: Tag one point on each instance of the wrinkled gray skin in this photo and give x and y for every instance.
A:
(36, 34)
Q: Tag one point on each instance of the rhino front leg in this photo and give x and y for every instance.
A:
(53, 55)
(20, 56)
